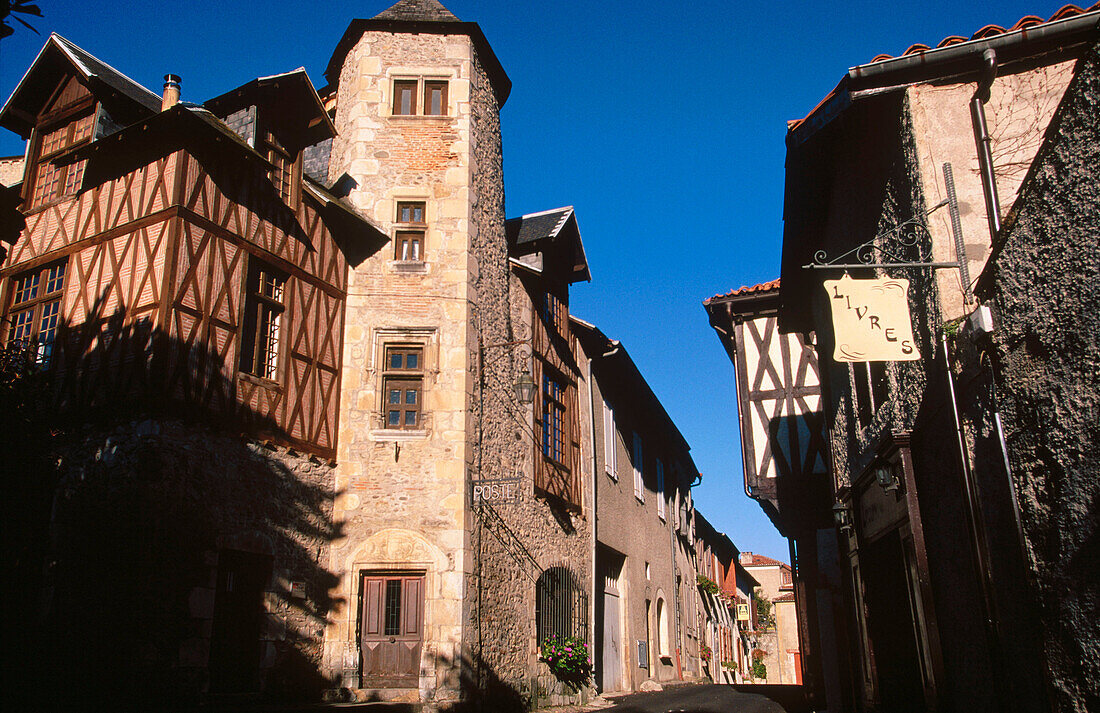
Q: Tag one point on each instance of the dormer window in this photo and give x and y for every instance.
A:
(69, 122)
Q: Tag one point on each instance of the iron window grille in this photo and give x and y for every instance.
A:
(561, 605)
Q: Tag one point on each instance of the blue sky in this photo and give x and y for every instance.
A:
(662, 124)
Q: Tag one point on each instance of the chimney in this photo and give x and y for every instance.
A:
(171, 92)
(746, 558)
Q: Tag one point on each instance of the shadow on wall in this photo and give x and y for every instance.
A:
(127, 500)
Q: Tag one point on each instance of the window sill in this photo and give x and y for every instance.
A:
(416, 118)
(409, 267)
(260, 381)
(396, 434)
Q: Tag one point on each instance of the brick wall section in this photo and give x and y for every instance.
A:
(143, 512)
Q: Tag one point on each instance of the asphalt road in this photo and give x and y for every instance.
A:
(696, 699)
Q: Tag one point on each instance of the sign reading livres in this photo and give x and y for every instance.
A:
(871, 319)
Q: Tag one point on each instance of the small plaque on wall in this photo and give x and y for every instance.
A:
(643, 654)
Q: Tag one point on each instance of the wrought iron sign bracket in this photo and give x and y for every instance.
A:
(912, 233)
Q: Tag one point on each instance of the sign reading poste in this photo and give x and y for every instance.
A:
(499, 489)
(871, 319)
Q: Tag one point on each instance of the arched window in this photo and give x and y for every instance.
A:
(662, 627)
(561, 605)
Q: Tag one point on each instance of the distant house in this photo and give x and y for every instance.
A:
(783, 659)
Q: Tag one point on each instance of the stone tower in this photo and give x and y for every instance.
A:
(418, 94)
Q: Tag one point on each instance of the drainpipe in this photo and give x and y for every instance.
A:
(597, 587)
(976, 521)
(983, 142)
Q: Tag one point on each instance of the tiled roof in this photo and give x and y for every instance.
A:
(1023, 24)
(747, 290)
(762, 561)
(417, 11)
(786, 597)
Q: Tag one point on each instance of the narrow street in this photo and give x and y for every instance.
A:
(697, 699)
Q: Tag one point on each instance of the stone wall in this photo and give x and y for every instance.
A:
(1046, 352)
(142, 514)
(402, 492)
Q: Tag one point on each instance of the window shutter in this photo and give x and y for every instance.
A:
(639, 484)
(610, 452)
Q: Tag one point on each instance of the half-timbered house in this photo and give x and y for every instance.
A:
(785, 460)
(180, 287)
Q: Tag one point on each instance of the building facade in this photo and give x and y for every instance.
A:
(649, 612)
(943, 139)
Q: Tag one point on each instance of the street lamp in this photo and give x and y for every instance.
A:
(884, 476)
(524, 387)
(842, 515)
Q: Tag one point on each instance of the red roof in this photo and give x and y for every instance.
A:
(788, 597)
(763, 560)
(746, 290)
(1025, 22)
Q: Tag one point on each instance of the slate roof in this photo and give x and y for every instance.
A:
(427, 17)
(1024, 25)
(15, 117)
(549, 225)
(417, 11)
(537, 226)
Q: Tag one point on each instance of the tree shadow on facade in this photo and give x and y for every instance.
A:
(156, 540)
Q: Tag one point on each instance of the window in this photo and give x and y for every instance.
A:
(403, 388)
(553, 419)
(610, 451)
(662, 627)
(285, 175)
(411, 226)
(561, 605)
(413, 97)
(36, 311)
(554, 312)
(52, 181)
(661, 512)
(639, 484)
(263, 318)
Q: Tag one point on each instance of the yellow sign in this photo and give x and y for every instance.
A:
(742, 612)
(871, 320)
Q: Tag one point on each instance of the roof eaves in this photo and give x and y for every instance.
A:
(1067, 26)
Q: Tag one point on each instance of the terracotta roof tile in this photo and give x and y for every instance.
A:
(763, 560)
(787, 597)
(1027, 21)
(747, 290)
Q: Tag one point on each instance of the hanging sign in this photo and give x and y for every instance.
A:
(871, 319)
(742, 612)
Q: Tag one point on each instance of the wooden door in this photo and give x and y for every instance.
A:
(238, 622)
(391, 626)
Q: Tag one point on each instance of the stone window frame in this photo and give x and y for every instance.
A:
(423, 78)
(424, 338)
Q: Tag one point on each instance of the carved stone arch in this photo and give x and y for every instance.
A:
(396, 549)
